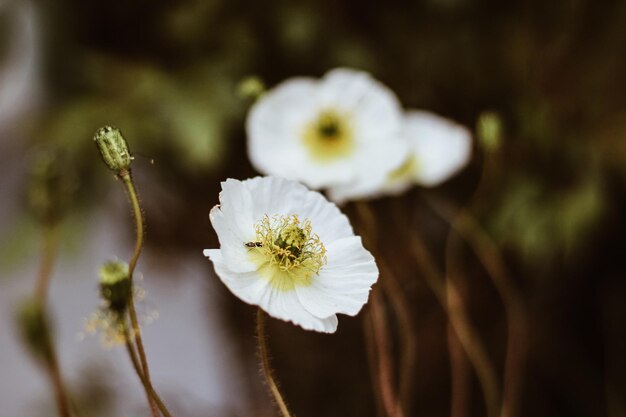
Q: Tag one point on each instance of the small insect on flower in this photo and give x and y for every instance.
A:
(254, 244)
(300, 260)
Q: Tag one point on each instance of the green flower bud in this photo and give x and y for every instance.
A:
(250, 88)
(489, 131)
(115, 285)
(113, 148)
(51, 186)
(34, 329)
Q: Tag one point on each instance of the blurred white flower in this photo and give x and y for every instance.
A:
(341, 133)
(439, 148)
(290, 251)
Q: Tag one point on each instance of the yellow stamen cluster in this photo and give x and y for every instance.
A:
(112, 322)
(406, 170)
(289, 253)
(329, 136)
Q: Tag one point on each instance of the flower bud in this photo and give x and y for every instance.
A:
(115, 286)
(489, 131)
(113, 148)
(34, 329)
(251, 88)
(51, 186)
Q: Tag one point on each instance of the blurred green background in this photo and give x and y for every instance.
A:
(167, 74)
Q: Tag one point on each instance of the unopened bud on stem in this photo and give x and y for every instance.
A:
(115, 286)
(34, 329)
(489, 131)
(113, 149)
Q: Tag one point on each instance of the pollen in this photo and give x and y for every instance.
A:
(329, 136)
(290, 253)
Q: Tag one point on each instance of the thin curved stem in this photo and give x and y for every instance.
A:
(134, 201)
(460, 373)
(490, 257)
(385, 367)
(402, 310)
(265, 364)
(458, 359)
(150, 392)
(392, 403)
(132, 194)
(370, 345)
(48, 256)
(60, 395)
(449, 298)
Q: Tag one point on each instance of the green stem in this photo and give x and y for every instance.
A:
(57, 385)
(47, 263)
(265, 364)
(134, 200)
(49, 250)
(150, 392)
(132, 194)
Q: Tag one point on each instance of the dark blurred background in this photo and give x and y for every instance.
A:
(167, 73)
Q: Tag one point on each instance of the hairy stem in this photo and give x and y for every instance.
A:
(265, 364)
(150, 392)
(132, 194)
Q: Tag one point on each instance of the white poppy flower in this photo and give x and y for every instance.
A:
(342, 131)
(290, 251)
(439, 148)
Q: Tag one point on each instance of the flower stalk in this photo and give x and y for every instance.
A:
(449, 297)
(266, 367)
(49, 194)
(144, 374)
(116, 155)
(41, 290)
(468, 228)
(391, 401)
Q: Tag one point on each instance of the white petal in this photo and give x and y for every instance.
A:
(275, 195)
(237, 205)
(285, 305)
(275, 126)
(247, 286)
(374, 168)
(277, 121)
(253, 289)
(375, 108)
(441, 146)
(328, 222)
(362, 95)
(232, 242)
(344, 283)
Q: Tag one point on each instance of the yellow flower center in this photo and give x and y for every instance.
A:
(287, 251)
(329, 136)
(406, 170)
